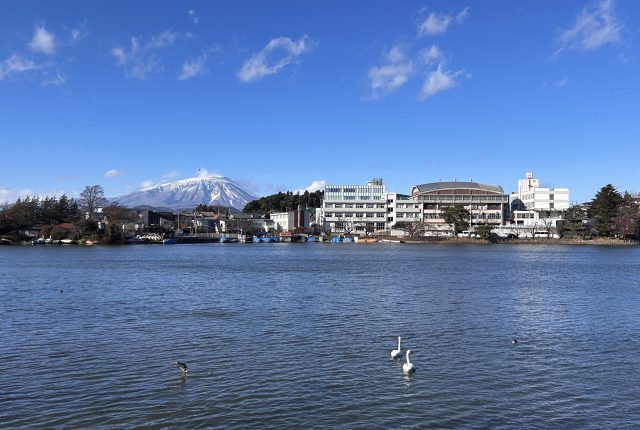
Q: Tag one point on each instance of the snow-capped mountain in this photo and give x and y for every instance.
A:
(188, 193)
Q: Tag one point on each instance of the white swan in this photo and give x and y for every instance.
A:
(396, 352)
(408, 366)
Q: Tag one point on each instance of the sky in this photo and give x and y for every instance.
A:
(291, 95)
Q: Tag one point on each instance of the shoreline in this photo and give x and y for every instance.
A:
(417, 241)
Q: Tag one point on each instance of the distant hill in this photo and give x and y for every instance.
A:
(188, 193)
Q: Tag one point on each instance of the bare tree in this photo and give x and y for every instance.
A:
(627, 220)
(91, 198)
(411, 228)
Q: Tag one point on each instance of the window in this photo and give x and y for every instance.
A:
(369, 206)
(359, 205)
(337, 205)
(348, 206)
(550, 196)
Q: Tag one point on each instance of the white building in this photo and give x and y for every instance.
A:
(356, 209)
(292, 221)
(535, 204)
(535, 209)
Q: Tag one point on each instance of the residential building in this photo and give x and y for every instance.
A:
(533, 204)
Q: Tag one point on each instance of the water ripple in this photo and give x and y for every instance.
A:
(299, 337)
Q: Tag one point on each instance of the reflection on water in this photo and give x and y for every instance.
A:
(299, 336)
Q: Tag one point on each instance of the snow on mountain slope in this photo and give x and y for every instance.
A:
(187, 193)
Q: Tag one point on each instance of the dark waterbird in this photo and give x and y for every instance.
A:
(182, 366)
(514, 341)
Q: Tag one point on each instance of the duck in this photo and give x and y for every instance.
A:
(182, 366)
(514, 341)
(396, 352)
(408, 366)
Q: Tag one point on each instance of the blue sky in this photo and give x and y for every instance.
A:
(282, 95)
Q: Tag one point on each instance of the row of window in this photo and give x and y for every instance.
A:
(355, 215)
(357, 205)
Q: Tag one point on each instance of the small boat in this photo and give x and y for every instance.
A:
(263, 239)
(168, 241)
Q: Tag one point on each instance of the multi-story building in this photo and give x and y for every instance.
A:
(533, 204)
(487, 204)
(368, 208)
(354, 208)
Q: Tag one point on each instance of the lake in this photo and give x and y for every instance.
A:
(299, 336)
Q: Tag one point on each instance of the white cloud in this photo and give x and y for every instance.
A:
(141, 59)
(43, 41)
(277, 54)
(438, 23)
(594, 27)
(146, 184)
(76, 34)
(392, 74)
(15, 64)
(162, 40)
(205, 174)
(58, 79)
(439, 80)
(432, 55)
(112, 173)
(194, 67)
(317, 185)
(193, 17)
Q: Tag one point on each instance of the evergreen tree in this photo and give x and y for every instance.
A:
(283, 202)
(604, 207)
(456, 216)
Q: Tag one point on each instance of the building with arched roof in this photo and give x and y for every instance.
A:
(487, 204)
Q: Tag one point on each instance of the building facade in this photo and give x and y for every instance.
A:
(487, 204)
(360, 209)
(297, 221)
(363, 209)
(533, 204)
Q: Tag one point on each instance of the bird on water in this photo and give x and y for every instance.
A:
(408, 366)
(396, 352)
(514, 341)
(182, 366)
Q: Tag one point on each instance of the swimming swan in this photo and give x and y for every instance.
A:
(408, 366)
(396, 352)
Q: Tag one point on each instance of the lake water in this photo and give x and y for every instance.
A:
(299, 336)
